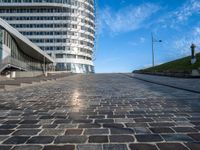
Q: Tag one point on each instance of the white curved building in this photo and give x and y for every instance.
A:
(65, 29)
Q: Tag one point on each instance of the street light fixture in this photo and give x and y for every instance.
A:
(152, 42)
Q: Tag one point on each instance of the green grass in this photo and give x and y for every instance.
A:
(182, 65)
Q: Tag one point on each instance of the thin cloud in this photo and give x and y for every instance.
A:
(177, 20)
(183, 44)
(196, 31)
(139, 41)
(142, 40)
(181, 15)
(187, 10)
(127, 19)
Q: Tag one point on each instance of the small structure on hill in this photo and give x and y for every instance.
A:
(193, 55)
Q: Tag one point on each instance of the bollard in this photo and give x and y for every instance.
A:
(193, 55)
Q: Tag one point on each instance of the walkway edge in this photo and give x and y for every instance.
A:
(163, 84)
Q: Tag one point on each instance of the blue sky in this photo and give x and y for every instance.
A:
(125, 26)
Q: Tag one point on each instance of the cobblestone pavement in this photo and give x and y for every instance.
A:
(95, 112)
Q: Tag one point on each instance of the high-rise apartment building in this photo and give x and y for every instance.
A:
(64, 29)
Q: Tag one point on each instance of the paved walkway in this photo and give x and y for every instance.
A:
(186, 83)
(95, 112)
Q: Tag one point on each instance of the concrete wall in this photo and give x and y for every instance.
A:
(18, 74)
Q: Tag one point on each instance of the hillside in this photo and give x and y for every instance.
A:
(182, 65)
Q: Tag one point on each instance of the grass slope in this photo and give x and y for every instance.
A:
(182, 65)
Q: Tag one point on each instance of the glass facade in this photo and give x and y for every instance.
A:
(70, 2)
(65, 29)
(17, 58)
(73, 67)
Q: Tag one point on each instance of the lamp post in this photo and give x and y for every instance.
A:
(152, 44)
(44, 66)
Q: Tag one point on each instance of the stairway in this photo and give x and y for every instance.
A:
(7, 84)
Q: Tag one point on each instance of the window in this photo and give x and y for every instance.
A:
(59, 55)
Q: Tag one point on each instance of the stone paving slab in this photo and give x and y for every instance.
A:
(99, 112)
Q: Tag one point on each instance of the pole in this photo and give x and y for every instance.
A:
(152, 42)
(44, 67)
